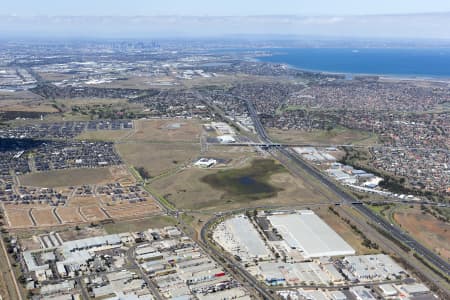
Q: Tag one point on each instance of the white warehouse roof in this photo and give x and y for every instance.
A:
(226, 139)
(308, 233)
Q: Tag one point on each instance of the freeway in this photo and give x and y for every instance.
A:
(253, 144)
(348, 199)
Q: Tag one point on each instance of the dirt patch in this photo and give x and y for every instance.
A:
(18, 217)
(82, 201)
(132, 210)
(122, 175)
(44, 217)
(93, 213)
(69, 215)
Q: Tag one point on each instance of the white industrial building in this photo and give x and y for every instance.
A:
(238, 236)
(205, 162)
(313, 154)
(226, 139)
(414, 289)
(362, 293)
(372, 267)
(388, 290)
(306, 232)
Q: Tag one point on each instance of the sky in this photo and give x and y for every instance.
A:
(411, 19)
(219, 8)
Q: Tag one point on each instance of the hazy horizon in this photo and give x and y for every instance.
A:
(400, 26)
(383, 19)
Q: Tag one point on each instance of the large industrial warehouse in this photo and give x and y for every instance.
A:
(238, 236)
(306, 232)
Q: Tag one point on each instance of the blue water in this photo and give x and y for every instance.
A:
(392, 62)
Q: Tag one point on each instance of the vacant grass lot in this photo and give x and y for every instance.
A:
(157, 158)
(19, 96)
(336, 136)
(104, 135)
(172, 130)
(188, 190)
(161, 145)
(430, 231)
(139, 225)
(33, 106)
(344, 230)
(69, 177)
(232, 156)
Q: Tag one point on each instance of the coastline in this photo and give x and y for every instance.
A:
(383, 76)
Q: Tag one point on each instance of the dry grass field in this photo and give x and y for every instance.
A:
(55, 76)
(186, 190)
(343, 229)
(122, 175)
(139, 225)
(90, 101)
(104, 135)
(18, 96)
(233, 156)
(137, 83)
(17, 216)
(69, 215)
(93, 213)
(170, 130)
(157, 158)
(44, 217)
(78, 201)
(161, 145)
(71, 177)
(28, 107)
(430, 231)
(337, 136)
(132, 210)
